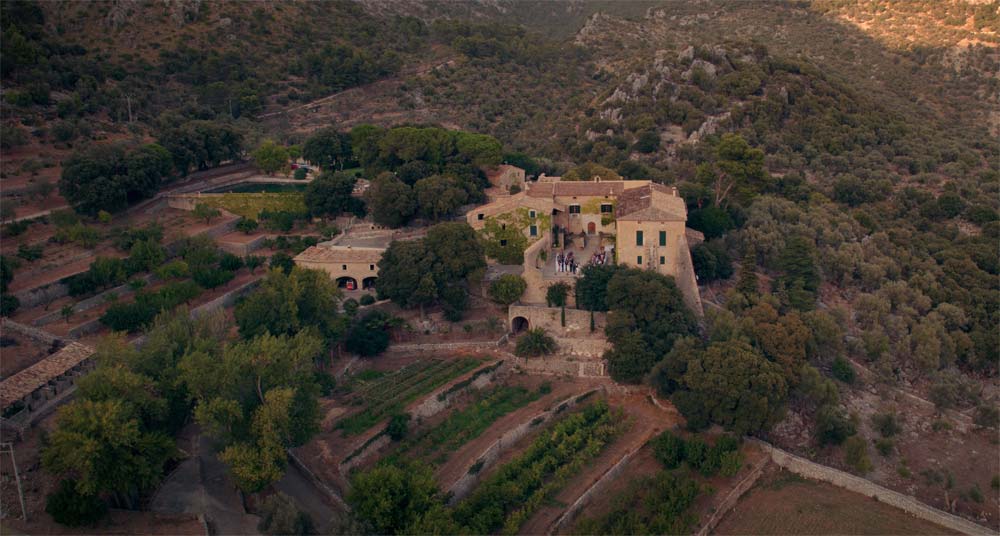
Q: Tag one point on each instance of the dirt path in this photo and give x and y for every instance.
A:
(647, 421)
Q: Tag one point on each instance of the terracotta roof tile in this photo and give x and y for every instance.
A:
(36, 376)
(340, 254)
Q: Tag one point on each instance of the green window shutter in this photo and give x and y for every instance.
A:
(638, 260)
(663, 238)
(638, 238)
(663, 260)
(533, 230)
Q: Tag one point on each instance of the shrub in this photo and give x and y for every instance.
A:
(730, 463)
(230, 262)
(886, 424)
(300, 174)
(976, 494)
(246, 225)
(173, 270)
(535, 343)
(507, 289)
(669, 450)
(212, 277)
(987, 416)
(280, 516)
(555, 295)
(856, 454)
(842, 370)
(367, 299)
(69, 507)
(283, 261)
(884, 446)
(398, 426)
(8, 304)
(351, 307)
(832, 426)
(368, 336)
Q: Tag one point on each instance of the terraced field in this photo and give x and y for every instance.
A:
(505, 500)
(436, 444)
(250, 205)
(390, 393)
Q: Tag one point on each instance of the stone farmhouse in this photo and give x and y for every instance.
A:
(635, 223)
(353, 268)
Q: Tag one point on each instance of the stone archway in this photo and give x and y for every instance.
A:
(591, 228)
(368, 282)
(519, 324)
(348, 283)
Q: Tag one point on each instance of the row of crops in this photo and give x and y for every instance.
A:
(389, 394)
(508, 498)
(465, 425)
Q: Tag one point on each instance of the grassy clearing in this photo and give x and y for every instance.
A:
(462, 426)
(390, 394)
(249, 205)
(505, 500)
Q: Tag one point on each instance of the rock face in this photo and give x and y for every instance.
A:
(708, 68)
(709, 127)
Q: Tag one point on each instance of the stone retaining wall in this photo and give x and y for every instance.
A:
(35, 334)
(464, 485)
(334, 496)
(33, 297)
(911, 505)
(586, 368)
(732, 498)
(94, 301)
(430, 346)
(433, 404)
(596, 488)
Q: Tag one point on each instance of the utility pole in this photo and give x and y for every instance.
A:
(8, 448)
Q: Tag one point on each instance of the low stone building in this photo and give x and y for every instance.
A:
(351, 267)
(505, 176)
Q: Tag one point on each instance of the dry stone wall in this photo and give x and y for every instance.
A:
(911, 505)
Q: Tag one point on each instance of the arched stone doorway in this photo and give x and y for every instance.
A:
(368, 282)
(348, 283)
(519, 324)
(591, 228)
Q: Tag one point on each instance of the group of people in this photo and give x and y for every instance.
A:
(566, 263)
(599, 257)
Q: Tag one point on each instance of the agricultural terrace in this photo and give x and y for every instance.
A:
(383, 395)
(507, 498)
(435, 444)
(250, 205)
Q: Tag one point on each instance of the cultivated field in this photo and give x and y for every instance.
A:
(783, 503)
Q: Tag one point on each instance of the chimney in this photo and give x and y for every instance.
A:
(673, 190)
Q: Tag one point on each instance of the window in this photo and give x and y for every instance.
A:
(343, 266)
(503, 243)
(533, 230)
(638, 260)
(606, 208)
(480, 216)
(638, 238)
(663, 239)
(531, 214)
(503, 226)
(574, 209)
(663, 260)
(371, 267)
